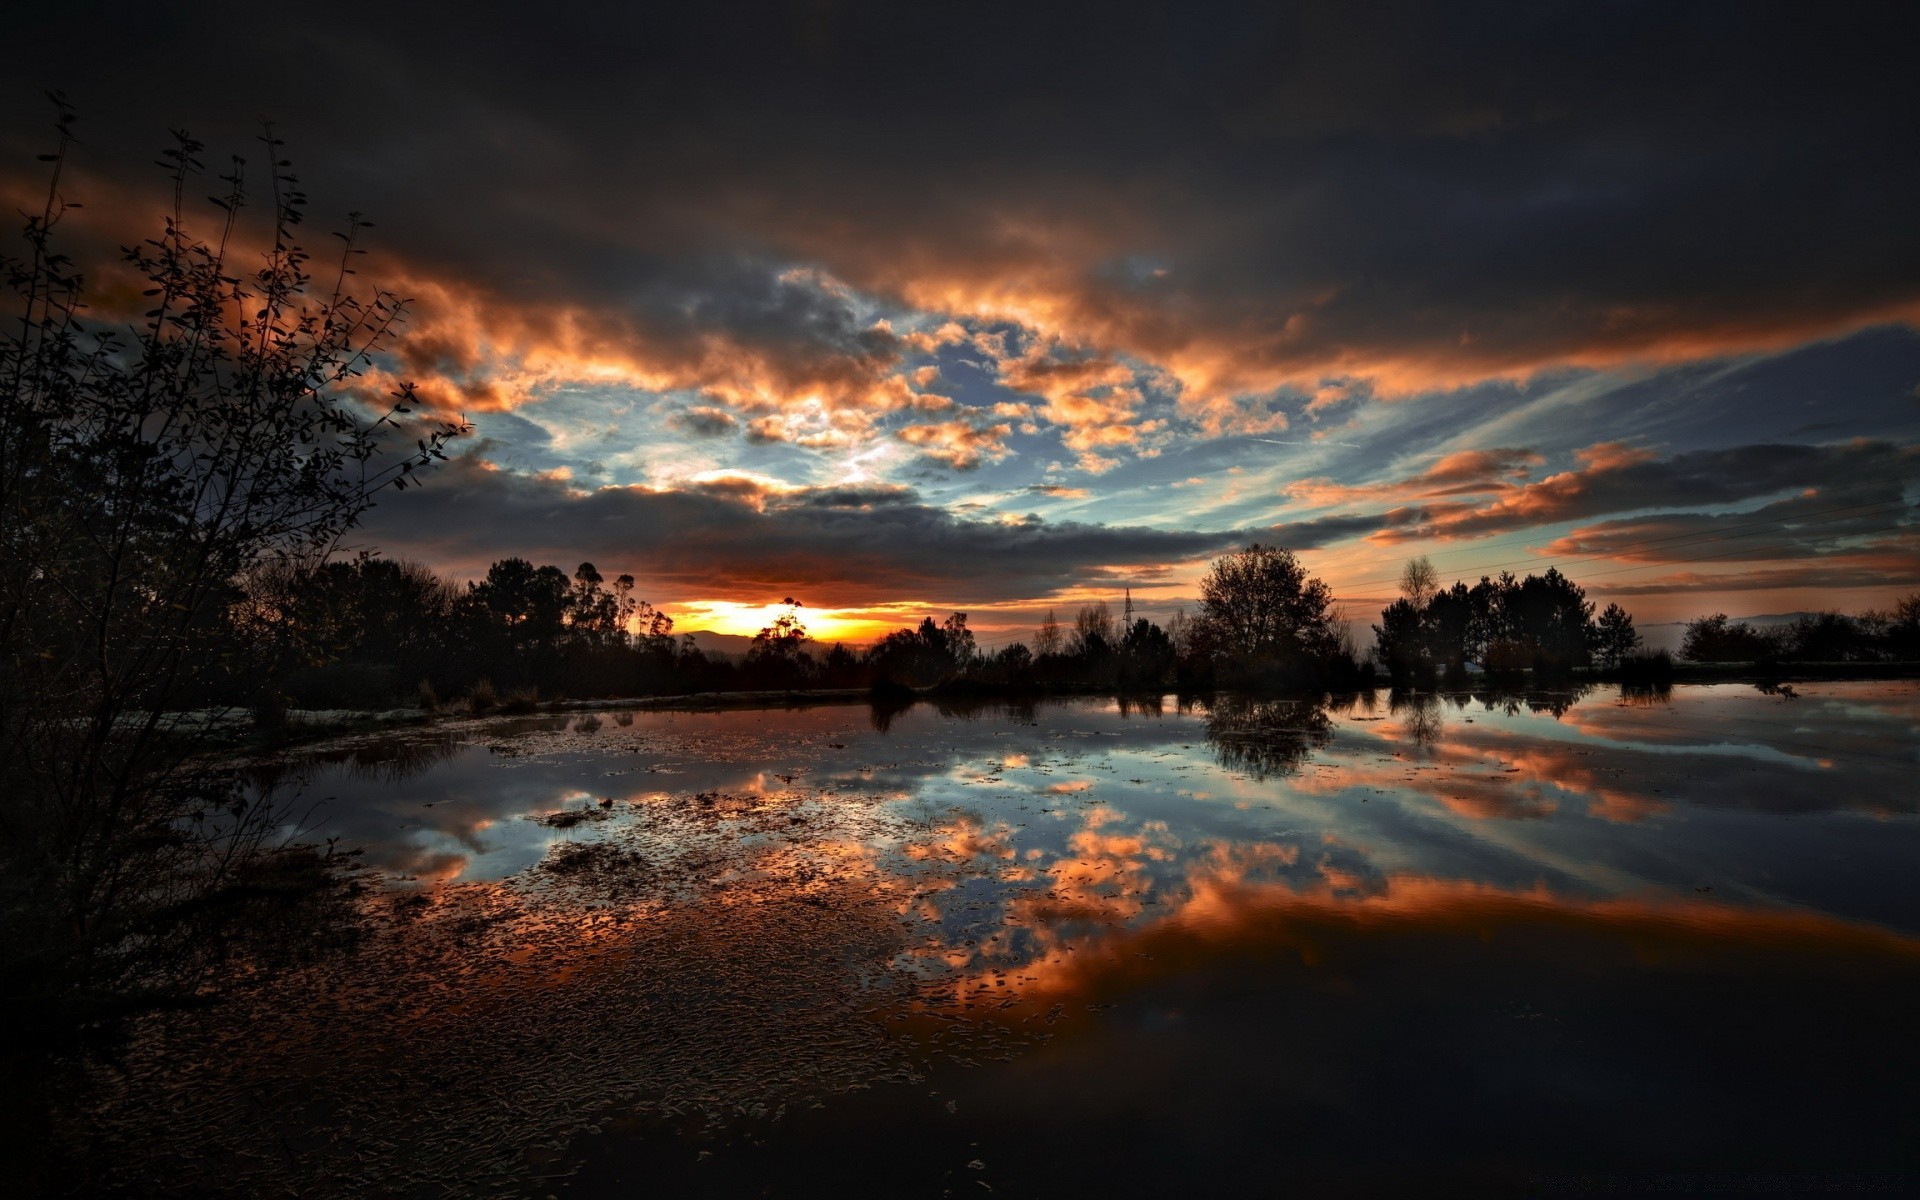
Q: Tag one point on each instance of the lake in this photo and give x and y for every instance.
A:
(1558, 943)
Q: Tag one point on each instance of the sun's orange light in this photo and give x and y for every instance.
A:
(726, 616)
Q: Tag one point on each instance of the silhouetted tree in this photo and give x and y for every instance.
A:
(1900, 629)
(152, 462)
(1092, 630)
(926, 654)
(1261, 614)
(958, 641)
(1542, 622)
(1455, 625)
(841, 668)
(1548, 621)
(1146, 655)
(1615, 637)
(777, 657)
(527, 604)
(1419, 581)
(1400, 641)
(1048, 639)
(1716, 639)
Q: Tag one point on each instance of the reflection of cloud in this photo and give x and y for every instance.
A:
(963, 839)
(431, 867)
(1226, 914)
(1489, 776)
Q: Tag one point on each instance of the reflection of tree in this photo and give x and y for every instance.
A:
(1421, 715)
(390, 761)
(1265, 737)
(1656, 694)
(886, 708)
(399, 760)
(1512, 703)
(968, 708)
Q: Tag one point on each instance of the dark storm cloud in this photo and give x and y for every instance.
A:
(1823, 522)
(705, 421)
(1424, 193)
(1140, 217)
(1897, 569)
(1614, 478)
(736, 537)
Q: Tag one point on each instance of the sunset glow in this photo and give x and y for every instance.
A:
(745, 620)
(1340, 588)
(900, 376)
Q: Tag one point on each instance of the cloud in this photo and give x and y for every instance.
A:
(1899, 567)
(1464, 473)
(1820, 521)
(962, 445)
(705, 421)
(1290, 199)
(1482, 466)
(788, 242)
(1614, 478)
(735, 536)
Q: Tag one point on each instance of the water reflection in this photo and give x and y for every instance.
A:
(1267, 918)
(1265, 738)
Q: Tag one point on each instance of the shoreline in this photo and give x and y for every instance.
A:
(305, 725)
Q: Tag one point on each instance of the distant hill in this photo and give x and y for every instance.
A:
(736, 645)
(733, 645)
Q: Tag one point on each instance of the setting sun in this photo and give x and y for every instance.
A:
(726, 616)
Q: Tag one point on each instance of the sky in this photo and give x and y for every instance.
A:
(899, 309)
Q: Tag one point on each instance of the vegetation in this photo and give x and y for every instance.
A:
(162, 473)
(1891, 635)
(380, 633)
(1264, 620)
(388, 633)
(1543, 622)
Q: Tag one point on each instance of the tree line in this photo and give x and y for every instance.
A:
(377, 632)
(1546, 624)
(371, 631)
(1542, 623)
(1877, 635)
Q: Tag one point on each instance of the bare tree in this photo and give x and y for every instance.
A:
(1419, 581)
(1180, 631)
(1048, 639)
(1093, 628)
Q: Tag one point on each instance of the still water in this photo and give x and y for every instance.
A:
(1549, 944)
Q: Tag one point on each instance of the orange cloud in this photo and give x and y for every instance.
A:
(961, 445)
